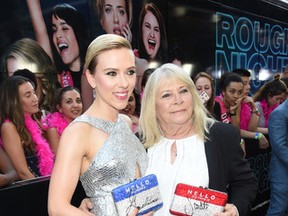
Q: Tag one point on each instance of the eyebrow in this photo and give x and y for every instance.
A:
(118, 6)
(61, 23)
(27, 92)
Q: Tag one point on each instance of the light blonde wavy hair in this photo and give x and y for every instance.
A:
(149, 127)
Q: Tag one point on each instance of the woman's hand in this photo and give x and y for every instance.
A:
(229, 210)
(234, 108)
(126, 32)
(135, 212)
(86, 206)
(263, 143)
(249, 100)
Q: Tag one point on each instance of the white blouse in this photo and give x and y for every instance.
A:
(189, 167)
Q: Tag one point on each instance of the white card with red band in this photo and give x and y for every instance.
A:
(190, 200)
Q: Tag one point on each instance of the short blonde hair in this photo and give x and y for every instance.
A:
(101, 44)
(149, 127)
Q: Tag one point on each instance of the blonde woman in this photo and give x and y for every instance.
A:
(186, 146)
(116, 156)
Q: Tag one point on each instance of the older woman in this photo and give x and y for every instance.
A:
(185, 146)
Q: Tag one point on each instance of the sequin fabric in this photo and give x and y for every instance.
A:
(114, 165)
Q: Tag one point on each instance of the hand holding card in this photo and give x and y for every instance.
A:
(143, 194)
(204, 96)
(190, 200)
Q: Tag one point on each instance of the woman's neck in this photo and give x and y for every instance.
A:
(75, 66)
(103, 112)
(226, 105)
(179, 131)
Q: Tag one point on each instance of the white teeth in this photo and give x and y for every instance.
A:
(62, 46)
(121, 94)
(151, 41)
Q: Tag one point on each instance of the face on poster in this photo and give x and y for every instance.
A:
(207, 37)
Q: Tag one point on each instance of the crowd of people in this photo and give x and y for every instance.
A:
(80, 112)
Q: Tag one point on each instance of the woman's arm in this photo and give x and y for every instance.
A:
(263, 142)
(8, 173)
(262, 130)
(39, 25)
(234, 112)
(14, 149)
(66, 171)
(254, 119)
(53, 138)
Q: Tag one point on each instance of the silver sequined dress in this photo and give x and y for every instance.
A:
(114, 165)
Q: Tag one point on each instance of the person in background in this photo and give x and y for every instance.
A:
(65, 39)
(184, 143)
(204, 85)
(278, 170)
(267, 98)
(116, 17)
(28, 54)
(116, 157)
(285, 80)
(145, 77)
(246, 76)
(133, 109)
(7, 172)
(28, 74)
(152, 42)
(239, 110)
(285, 72)
(176, 53)
(30, 153)
(68, 106)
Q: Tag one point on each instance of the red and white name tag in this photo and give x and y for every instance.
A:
(190, 200)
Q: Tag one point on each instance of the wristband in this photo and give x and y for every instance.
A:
(232, 114)
(258, 136)
(242, 142)
(256, 111)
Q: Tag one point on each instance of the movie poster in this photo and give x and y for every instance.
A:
(196, 35)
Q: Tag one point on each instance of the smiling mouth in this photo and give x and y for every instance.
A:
(75, 112)
(151, 44)
(62, 46)
(178, 111)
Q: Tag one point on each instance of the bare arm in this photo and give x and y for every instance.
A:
(39, 25)
(66, 171)
(235, 113)
(262, 130)
(53, 139)
(263, 142)
(13, 147)
(254, 119)
(8, 174)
